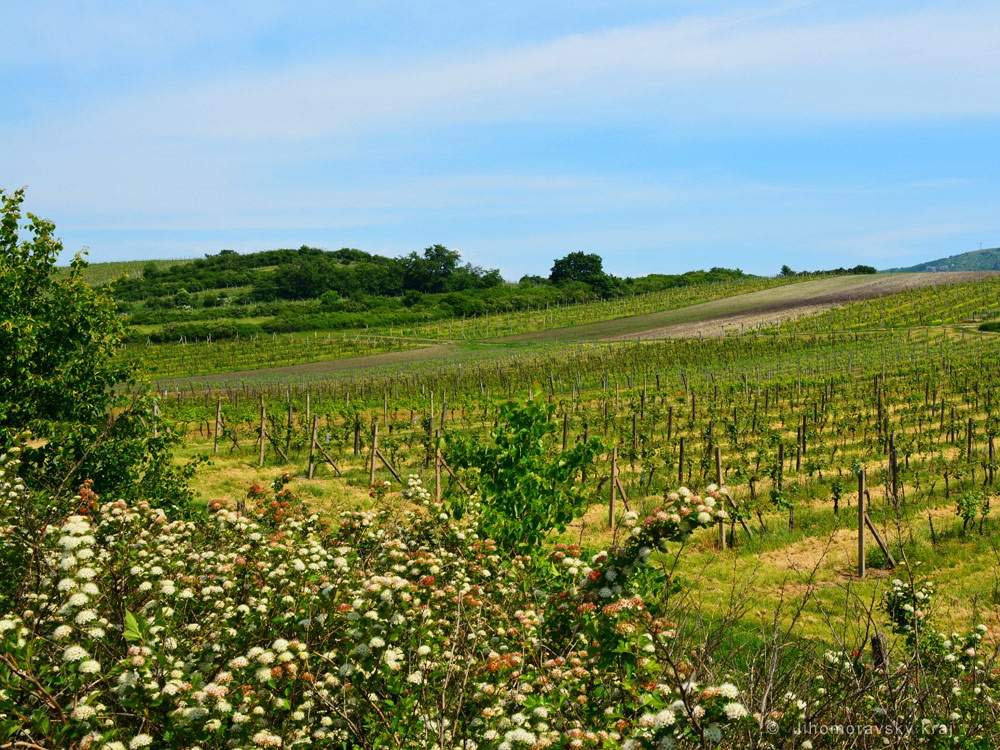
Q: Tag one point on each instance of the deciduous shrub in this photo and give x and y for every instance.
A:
(526, 487)
(58, 374)
(400, 628)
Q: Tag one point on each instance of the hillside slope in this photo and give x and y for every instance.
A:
(987, 259)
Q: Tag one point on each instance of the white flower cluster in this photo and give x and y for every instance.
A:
(415, 491)
(709, 708)
(78, 614)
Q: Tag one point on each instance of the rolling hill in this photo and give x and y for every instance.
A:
(987, 259)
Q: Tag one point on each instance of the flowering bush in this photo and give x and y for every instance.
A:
(401, 627)
(938, 691)
(261, 626)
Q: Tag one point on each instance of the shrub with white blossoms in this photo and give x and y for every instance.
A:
(266, 628)
(404, 628)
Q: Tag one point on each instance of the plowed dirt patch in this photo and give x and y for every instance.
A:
(772, 306)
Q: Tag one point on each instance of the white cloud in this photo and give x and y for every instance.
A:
(721, 68)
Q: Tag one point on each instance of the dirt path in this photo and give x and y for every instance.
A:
(798, 300)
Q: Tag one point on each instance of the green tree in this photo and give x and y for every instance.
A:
(59, 371)
(786, 270)
(525, 483)
(585, 267)
(430, 272)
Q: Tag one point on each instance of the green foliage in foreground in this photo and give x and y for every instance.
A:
(59, 339)
(526, 486)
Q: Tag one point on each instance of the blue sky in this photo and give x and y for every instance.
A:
(664, 135)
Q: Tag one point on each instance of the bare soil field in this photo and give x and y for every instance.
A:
(773, 306)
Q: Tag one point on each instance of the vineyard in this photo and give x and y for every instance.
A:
(204, 357)
(97, 274)
(193, 357)
(744, 304)
(792, 418)
(971, 301)
(566, 316)
(541, 541)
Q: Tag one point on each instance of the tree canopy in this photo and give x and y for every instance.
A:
(586, 268)
(60, 340)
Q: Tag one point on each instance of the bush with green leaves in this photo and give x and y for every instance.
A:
(526, 487)
(59, 372)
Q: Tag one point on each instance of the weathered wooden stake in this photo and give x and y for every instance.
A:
(861, 523)
(614, 487)
(263, 416)
(718, 482)
(437, 471)
(371, 464)
(218, 422)
(312, 449)
(430, 417)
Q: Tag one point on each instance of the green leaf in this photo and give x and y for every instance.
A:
(132, 632)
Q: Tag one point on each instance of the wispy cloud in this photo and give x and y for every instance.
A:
(923, 63)
(629, 136)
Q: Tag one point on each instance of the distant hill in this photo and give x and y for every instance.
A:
(976, 260)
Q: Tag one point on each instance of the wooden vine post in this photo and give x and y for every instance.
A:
(722, 502)
(438, 460)
(614, 487)
(263, 416)
(371, 463)
(861, 523)
(218, 422)
(312, 449)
